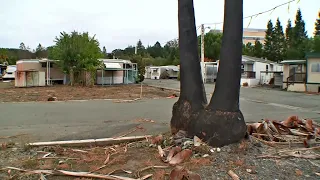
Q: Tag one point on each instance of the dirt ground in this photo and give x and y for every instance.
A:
(64, 93)
(131, 160)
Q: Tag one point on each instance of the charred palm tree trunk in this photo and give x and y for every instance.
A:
(221, 122)
(192, 96)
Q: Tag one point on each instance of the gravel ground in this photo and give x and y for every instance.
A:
(240, 158)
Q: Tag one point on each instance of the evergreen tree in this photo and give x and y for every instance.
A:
(22, 46)
(104, 52)
(140, 48)
(249, 49)
(279, 42)
(258, 49)
(299, 37)
(268, 42)
(316, 44)
(288, 34)
(40, 51)
(317, 26)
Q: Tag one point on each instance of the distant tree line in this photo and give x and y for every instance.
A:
(79, 50)
(293, 43)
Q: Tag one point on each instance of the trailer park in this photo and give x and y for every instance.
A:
(118, 107)
(73, 110)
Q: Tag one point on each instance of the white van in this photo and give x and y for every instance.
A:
(9, 72)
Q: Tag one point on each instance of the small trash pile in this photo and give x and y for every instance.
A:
(178, 149)
(291, 132)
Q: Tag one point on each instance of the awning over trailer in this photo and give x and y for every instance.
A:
(115, 66)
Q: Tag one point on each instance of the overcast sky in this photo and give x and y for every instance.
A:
(119, 23)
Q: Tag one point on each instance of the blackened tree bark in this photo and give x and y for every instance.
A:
(221, 122)
(192, 96)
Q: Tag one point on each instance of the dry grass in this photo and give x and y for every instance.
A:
(64, 93)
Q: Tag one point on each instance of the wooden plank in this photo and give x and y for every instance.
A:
(90, 142)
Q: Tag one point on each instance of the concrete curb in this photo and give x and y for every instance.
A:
(170, 88)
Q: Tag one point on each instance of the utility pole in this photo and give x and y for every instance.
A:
(136, 49)
(202, 53)
(202, 43)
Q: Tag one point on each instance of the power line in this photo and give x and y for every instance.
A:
(257, 14)
(251, 16)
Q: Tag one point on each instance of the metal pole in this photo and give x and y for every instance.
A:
(202, 42)
(102, 78)
(202, 52)
(49, 72)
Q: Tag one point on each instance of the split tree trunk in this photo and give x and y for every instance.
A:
(221, 122)
(192, 96)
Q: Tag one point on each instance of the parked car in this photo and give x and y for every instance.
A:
(9, 73)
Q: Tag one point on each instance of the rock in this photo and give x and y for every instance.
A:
(197, 141)
(205, 155)
(52, 98)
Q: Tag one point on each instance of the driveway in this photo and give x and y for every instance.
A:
(100, 118)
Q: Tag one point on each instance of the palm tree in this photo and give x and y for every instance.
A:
(220, 122)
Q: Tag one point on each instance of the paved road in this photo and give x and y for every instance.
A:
(263, 95)
(257, 103)
(98, 118)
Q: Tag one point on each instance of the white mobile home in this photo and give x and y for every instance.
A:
(116, 71)
(211, 71)
(302, 75)
(257, 71)
(158, 72)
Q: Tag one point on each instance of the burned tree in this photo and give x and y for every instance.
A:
(220, 122)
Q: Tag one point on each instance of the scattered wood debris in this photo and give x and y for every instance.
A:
(180, 173)
(126, 100)
(130, 131)
(290, 134)
(90, 142)
(70, 173)
(174, 156)
(233, 175)
(15, 136)
(145, 120)
(293, 132)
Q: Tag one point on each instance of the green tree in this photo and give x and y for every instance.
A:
(279, 42)
(317, 26)
(288, 34)
(248, 49)
(40, 51)
(258, 49)
(268, 42)
(156, 50)
(140, 48)
(299, 37)
(137, 58)
(104, 52)
(22, 46)
(171, 51)
(212, 45)
(316, 44)
(3, 55)
(76, 51)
